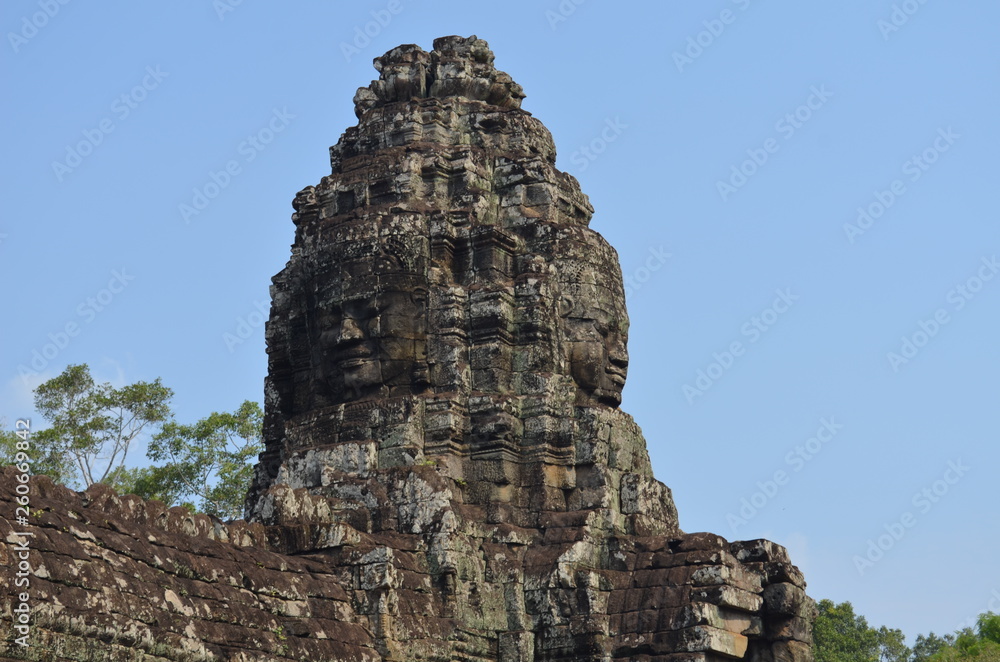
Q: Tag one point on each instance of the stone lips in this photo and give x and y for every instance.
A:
(447, 474)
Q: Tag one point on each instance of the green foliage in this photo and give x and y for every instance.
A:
(208, 463)
(892, 645)
(161, 483)
(989, 627)
(927, 647)
(47, 461)
(979, 645)
(206, 466)
(40, 460)
(969, 651)
(93, 425)
(840, 635)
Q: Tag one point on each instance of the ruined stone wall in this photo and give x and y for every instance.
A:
(117, 578)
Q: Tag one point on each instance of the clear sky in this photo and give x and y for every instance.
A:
(803, 371)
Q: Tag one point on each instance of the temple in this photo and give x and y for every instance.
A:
(447, 474)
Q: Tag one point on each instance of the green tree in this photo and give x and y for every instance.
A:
(840, 635)
(969, 650)
(163, 483)
(927, 647)
(93, 425)
(205, 466)
(40, 460)
(979, 645)
(988, 627)
(892, 645)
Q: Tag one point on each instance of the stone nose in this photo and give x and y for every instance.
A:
(617, 350)
(349, 330)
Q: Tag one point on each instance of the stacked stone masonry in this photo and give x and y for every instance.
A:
(447, 474)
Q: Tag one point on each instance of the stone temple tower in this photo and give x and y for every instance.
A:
(446, 356)
(447, 474)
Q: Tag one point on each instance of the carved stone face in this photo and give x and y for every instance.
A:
(597, 356)
(373, 344)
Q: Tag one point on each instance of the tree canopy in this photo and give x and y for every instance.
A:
(979, 644)
(93, 425)
(840, 635)
(204, 466)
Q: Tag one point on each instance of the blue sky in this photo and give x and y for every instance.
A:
(727, 147)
